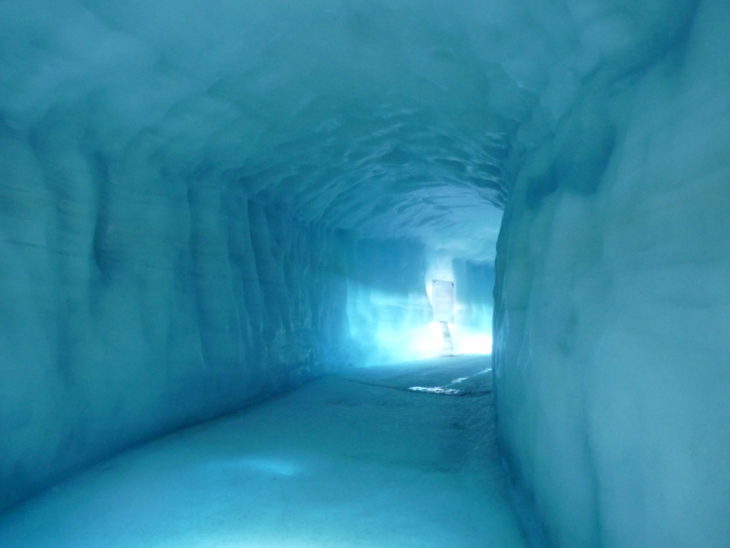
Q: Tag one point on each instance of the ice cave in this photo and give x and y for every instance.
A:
(365, 273)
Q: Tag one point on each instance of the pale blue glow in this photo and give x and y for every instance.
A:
(428, 341)
(467, 341)
(390, 315)
(392, 328)
(408, 342)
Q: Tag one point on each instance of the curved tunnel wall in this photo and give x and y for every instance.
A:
(132, 306)
(135, 303)
(152, 277)
(154, 156)
(613, 301)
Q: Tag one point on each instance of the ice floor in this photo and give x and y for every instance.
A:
(375, 457)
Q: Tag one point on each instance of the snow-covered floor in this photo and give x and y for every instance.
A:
(358, 459)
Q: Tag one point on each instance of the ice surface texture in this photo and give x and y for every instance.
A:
(131, 309)
(151, 275)
(353, 461)
(613, 301)
(382, 116)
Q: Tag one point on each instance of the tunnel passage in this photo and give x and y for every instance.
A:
(206, 202)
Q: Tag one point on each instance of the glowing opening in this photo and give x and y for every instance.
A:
(392, 327)
(442, 304)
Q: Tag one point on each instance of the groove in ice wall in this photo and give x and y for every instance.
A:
(612, 302)
(133, 304)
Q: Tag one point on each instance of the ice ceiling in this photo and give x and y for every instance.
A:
(396, 119)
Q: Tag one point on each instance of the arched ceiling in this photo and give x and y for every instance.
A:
(395, 118)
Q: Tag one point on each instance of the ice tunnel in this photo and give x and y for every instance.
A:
(226, 225)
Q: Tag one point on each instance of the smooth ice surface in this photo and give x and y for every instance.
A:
(391, 118)
(203, 202)
(355, 460)
(613, 302)
(126, 316)
(176, 180)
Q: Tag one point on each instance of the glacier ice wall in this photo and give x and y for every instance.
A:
(201, 202)
(613, 300)
(155, 156)
(132, 305)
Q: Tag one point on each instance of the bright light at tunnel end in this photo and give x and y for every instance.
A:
(440, 320)
(425, 342)
(445, 336)
(428, 341)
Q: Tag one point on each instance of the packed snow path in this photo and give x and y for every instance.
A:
(376, 457)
